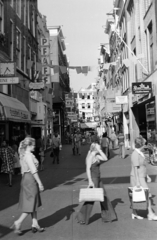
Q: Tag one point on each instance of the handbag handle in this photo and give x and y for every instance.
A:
(91, 187)
(138, 189)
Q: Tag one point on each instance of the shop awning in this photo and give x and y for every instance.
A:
(88, 125)
(14, 110)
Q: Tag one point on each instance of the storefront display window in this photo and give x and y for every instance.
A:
(151, 122)
(2, 133)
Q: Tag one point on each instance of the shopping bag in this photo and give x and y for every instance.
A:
(143, 205)
(138, 194)
(91, 195)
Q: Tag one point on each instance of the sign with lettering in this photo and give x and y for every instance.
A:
(13, 113)
(96, 119)
(121, 99)
(13, 80)
(141, 88)
(45, 59)
(18, 113)
(36, 85)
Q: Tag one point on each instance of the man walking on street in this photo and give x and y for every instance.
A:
(121, 144)
(78, 143)
(95, 138)
(55, 146)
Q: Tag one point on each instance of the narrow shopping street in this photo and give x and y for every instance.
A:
(60, 202)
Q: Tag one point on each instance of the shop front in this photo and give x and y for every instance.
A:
(14, 119)
(145, 116)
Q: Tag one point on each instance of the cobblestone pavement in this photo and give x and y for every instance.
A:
(60, 202)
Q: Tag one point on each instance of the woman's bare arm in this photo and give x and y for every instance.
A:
(137, 176)
(88, 167)
(102, 155)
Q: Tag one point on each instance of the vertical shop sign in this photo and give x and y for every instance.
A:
(45, 59)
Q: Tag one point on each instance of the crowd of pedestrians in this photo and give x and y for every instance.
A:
(25, 159)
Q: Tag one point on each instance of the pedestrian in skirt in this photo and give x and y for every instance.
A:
(31, 184)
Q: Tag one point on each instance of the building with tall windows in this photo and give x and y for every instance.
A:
(24, 104)
(18, 44)
(132, 41)
(85, 105)
(59, 77)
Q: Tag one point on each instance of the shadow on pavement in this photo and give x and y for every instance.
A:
(58, 216)
(4, 231)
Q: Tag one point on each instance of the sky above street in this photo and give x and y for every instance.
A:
(82, 25)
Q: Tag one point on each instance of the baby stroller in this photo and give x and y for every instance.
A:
(151, 154)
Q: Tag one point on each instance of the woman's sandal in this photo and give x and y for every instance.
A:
(37, 229)
(16, 228)
(79, 221)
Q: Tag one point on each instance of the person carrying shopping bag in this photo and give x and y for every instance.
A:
(56, 144)
(105, 144)
(121, 144)
(138, 176)
(93, 159)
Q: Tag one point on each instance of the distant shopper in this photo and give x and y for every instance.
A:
(95, 138)
(55, 146)
(42, 158)
(121, 144)
(105, 144)
(7, 156)
(38, 145)
(17, 167)
(73, 138)
(113, 138)
(78, 143)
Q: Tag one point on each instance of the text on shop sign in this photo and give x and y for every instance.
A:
(18, 113)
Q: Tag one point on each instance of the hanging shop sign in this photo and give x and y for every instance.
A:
(121, 99)
(12, 80)
(7, 69)
(113, 108)
(96, 119)
(142, 88)
(36, 95)
(45, 59)
(36, 85)
(72, 116)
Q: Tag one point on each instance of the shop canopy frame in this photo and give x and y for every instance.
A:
(13, 110)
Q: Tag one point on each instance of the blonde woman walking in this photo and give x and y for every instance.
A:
(31, 186)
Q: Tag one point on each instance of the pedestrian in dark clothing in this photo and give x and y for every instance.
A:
(105, 144)
(7, 156)
(56, 144)
(38, 145)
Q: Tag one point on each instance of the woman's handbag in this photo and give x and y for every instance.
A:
(91, 195)
(139, 198)
(138, 194)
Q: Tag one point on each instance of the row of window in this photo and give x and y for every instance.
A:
(88, 105)
(87, 97)
(21, 59)
(27, 19)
